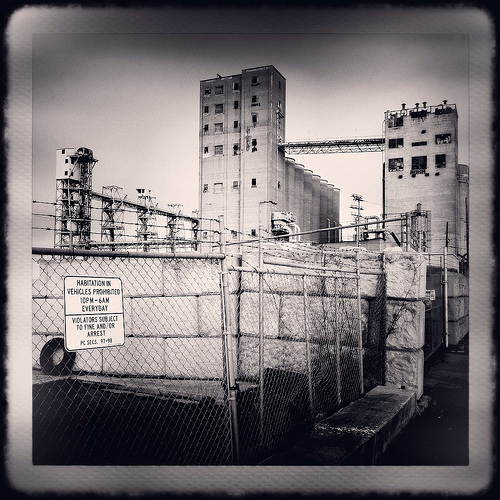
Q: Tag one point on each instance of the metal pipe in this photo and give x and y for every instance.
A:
(395, 219)
(229, 351)
(308, 350)
(360, 326)
(337, 342)
(445, 295)
(124, 254)
(261, 332)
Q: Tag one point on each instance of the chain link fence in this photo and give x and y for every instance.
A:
(219, 365)
(300, 342)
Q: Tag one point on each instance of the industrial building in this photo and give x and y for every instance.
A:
(421, 171)
(244, 174)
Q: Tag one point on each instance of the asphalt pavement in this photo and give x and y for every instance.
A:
(439, 432)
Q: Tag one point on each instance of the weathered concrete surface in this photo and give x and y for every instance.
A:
(357, 434)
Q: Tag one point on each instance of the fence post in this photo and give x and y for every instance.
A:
(308, 349)
(229, 349)
(360, 325)
(337, 340)
(261, 338)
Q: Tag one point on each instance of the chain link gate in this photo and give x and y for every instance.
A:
(299, 344)
(159, 398)
(219, 366)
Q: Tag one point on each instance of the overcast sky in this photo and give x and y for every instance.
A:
(133, 98)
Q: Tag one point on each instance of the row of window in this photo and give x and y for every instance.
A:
(219, 148)
(236, 185)
(417, 163)
(219, 108)
(219, 126)
(438, 139)
(219, 89)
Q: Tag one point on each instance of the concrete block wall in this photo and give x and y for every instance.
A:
(172, 313)
(405, 289)
(458, 307)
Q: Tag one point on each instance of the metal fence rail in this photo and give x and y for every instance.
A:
(299, 341)
(219, 366)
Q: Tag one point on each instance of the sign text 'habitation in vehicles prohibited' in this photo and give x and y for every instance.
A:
(93, 312)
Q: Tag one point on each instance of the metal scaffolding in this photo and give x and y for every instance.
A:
(112, 215)
(73, 202)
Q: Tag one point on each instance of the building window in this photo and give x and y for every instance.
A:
(234, 234)
(279, 185)
(253, 232)
(443, 138)
(419, 143)
(236, 104)
(219, 149)
(254, 145)
(396, 143)
(395, 121)
(418, 164)
(255, 80)
(279, 84)
(235, 124)
(236, 86)
(441, 161)
(236, 148)
(205, 151)
(217, 187)
(218, 127)
(66, 161)
(205, 188)
(206, 110)
(255, 119)
(207, 92)
(219, 90)
(255, 101)
(236, 185)
(395, 164)
(254, 182)
(205, 127)
(219, 108)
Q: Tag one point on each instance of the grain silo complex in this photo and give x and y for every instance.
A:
(244, 174)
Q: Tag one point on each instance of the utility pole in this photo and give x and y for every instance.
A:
(445, 288)
(357, 198)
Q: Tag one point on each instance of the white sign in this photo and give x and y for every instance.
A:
(93, 312)
(430, 295)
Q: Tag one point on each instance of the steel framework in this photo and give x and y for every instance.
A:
(73, 202)
(367, 145)
(112, 214)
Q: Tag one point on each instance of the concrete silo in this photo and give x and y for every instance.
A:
(323, 210)
(299, 195)
(307, 210)
(315, 207)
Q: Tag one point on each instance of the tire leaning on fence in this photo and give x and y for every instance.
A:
(48, 359)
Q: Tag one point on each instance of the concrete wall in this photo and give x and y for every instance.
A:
(458, 307)
(405, 289)
(173, 313)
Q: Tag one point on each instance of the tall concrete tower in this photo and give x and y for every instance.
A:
(242, 122)
(421, 167)
(244, 174)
